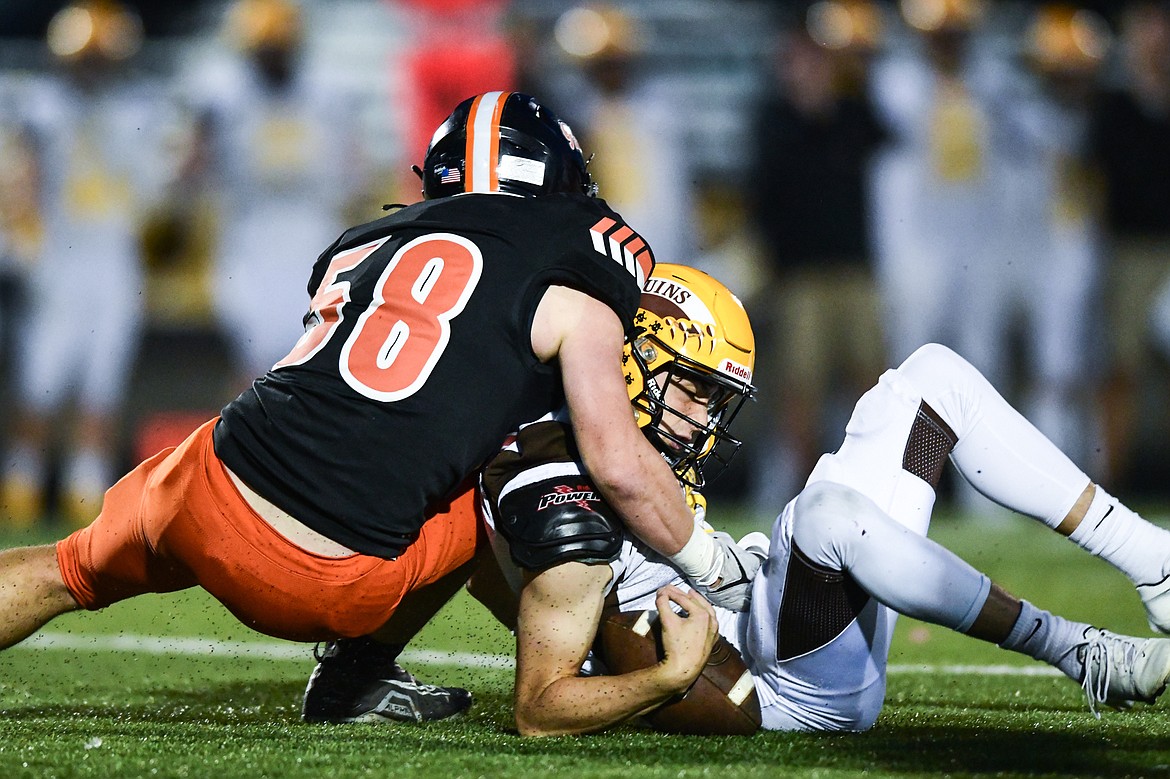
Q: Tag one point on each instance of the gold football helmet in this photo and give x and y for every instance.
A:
(598, 31)
(254, 25)
(1066, 39)
(94, 30)
(940, 16)
(845, 25)
(689, 327)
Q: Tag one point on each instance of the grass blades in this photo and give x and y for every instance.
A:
(196, 695)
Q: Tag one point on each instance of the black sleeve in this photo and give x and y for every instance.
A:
(321, 265)
(604, 257)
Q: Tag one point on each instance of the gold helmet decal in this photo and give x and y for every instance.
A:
(689, 326)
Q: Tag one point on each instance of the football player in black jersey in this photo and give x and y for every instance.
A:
(333, 499)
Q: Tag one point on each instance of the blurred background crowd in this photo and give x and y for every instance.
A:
(867, 175)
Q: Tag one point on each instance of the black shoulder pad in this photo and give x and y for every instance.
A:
(556, 520)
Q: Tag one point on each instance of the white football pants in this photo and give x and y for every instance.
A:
(820, 656)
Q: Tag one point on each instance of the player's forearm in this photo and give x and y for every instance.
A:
(630, 474)
(645, 493)
(575, 705)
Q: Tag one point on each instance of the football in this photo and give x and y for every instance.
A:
(722, 701)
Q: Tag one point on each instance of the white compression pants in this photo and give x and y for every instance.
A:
(861, 512)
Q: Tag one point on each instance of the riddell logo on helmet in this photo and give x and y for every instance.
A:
(733, 368)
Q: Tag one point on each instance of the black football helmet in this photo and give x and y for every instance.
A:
(504, 142)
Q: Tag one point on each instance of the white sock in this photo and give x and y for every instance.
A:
(1049, 638)
(1117, 534)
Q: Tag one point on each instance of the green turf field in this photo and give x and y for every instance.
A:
(173, 687)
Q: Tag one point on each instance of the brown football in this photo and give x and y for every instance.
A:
(722, 701)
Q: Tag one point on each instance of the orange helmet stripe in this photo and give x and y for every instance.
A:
(483, 142)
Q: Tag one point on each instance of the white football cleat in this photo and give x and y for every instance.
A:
(1156, 599)
(1122, 670)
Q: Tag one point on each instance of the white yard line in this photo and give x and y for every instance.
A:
(976, 670)
(265, 650)
(281, 650)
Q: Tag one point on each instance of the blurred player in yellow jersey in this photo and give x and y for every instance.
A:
(93, 150)
(277, 144)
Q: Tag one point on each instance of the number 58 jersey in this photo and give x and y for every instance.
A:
(417, 362)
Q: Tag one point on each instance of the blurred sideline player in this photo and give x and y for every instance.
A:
(1129, 141)
(845, 557)
(824, 343)
(633, 124)
(20, 231)
(94, 148)
(945, 261)
(1051, 201)
(278, 146)
(306, 509)
(949, 104)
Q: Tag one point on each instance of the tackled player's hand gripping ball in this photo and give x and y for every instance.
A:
(723, 699)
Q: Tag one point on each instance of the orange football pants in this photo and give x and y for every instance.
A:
(177, 521)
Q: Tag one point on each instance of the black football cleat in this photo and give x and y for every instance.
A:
(359, 680)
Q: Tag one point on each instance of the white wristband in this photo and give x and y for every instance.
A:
(699, 559)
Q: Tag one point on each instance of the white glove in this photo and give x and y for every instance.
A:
(732, 588)
(719, 568)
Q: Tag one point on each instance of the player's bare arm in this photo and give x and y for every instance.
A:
(560, 609)
(586, 337)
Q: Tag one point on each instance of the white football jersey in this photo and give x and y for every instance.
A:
(101, 162)
(294, 144)
(284, 164)
(101, 158)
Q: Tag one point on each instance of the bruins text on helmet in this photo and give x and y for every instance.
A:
(690, 327)
(504, 142)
